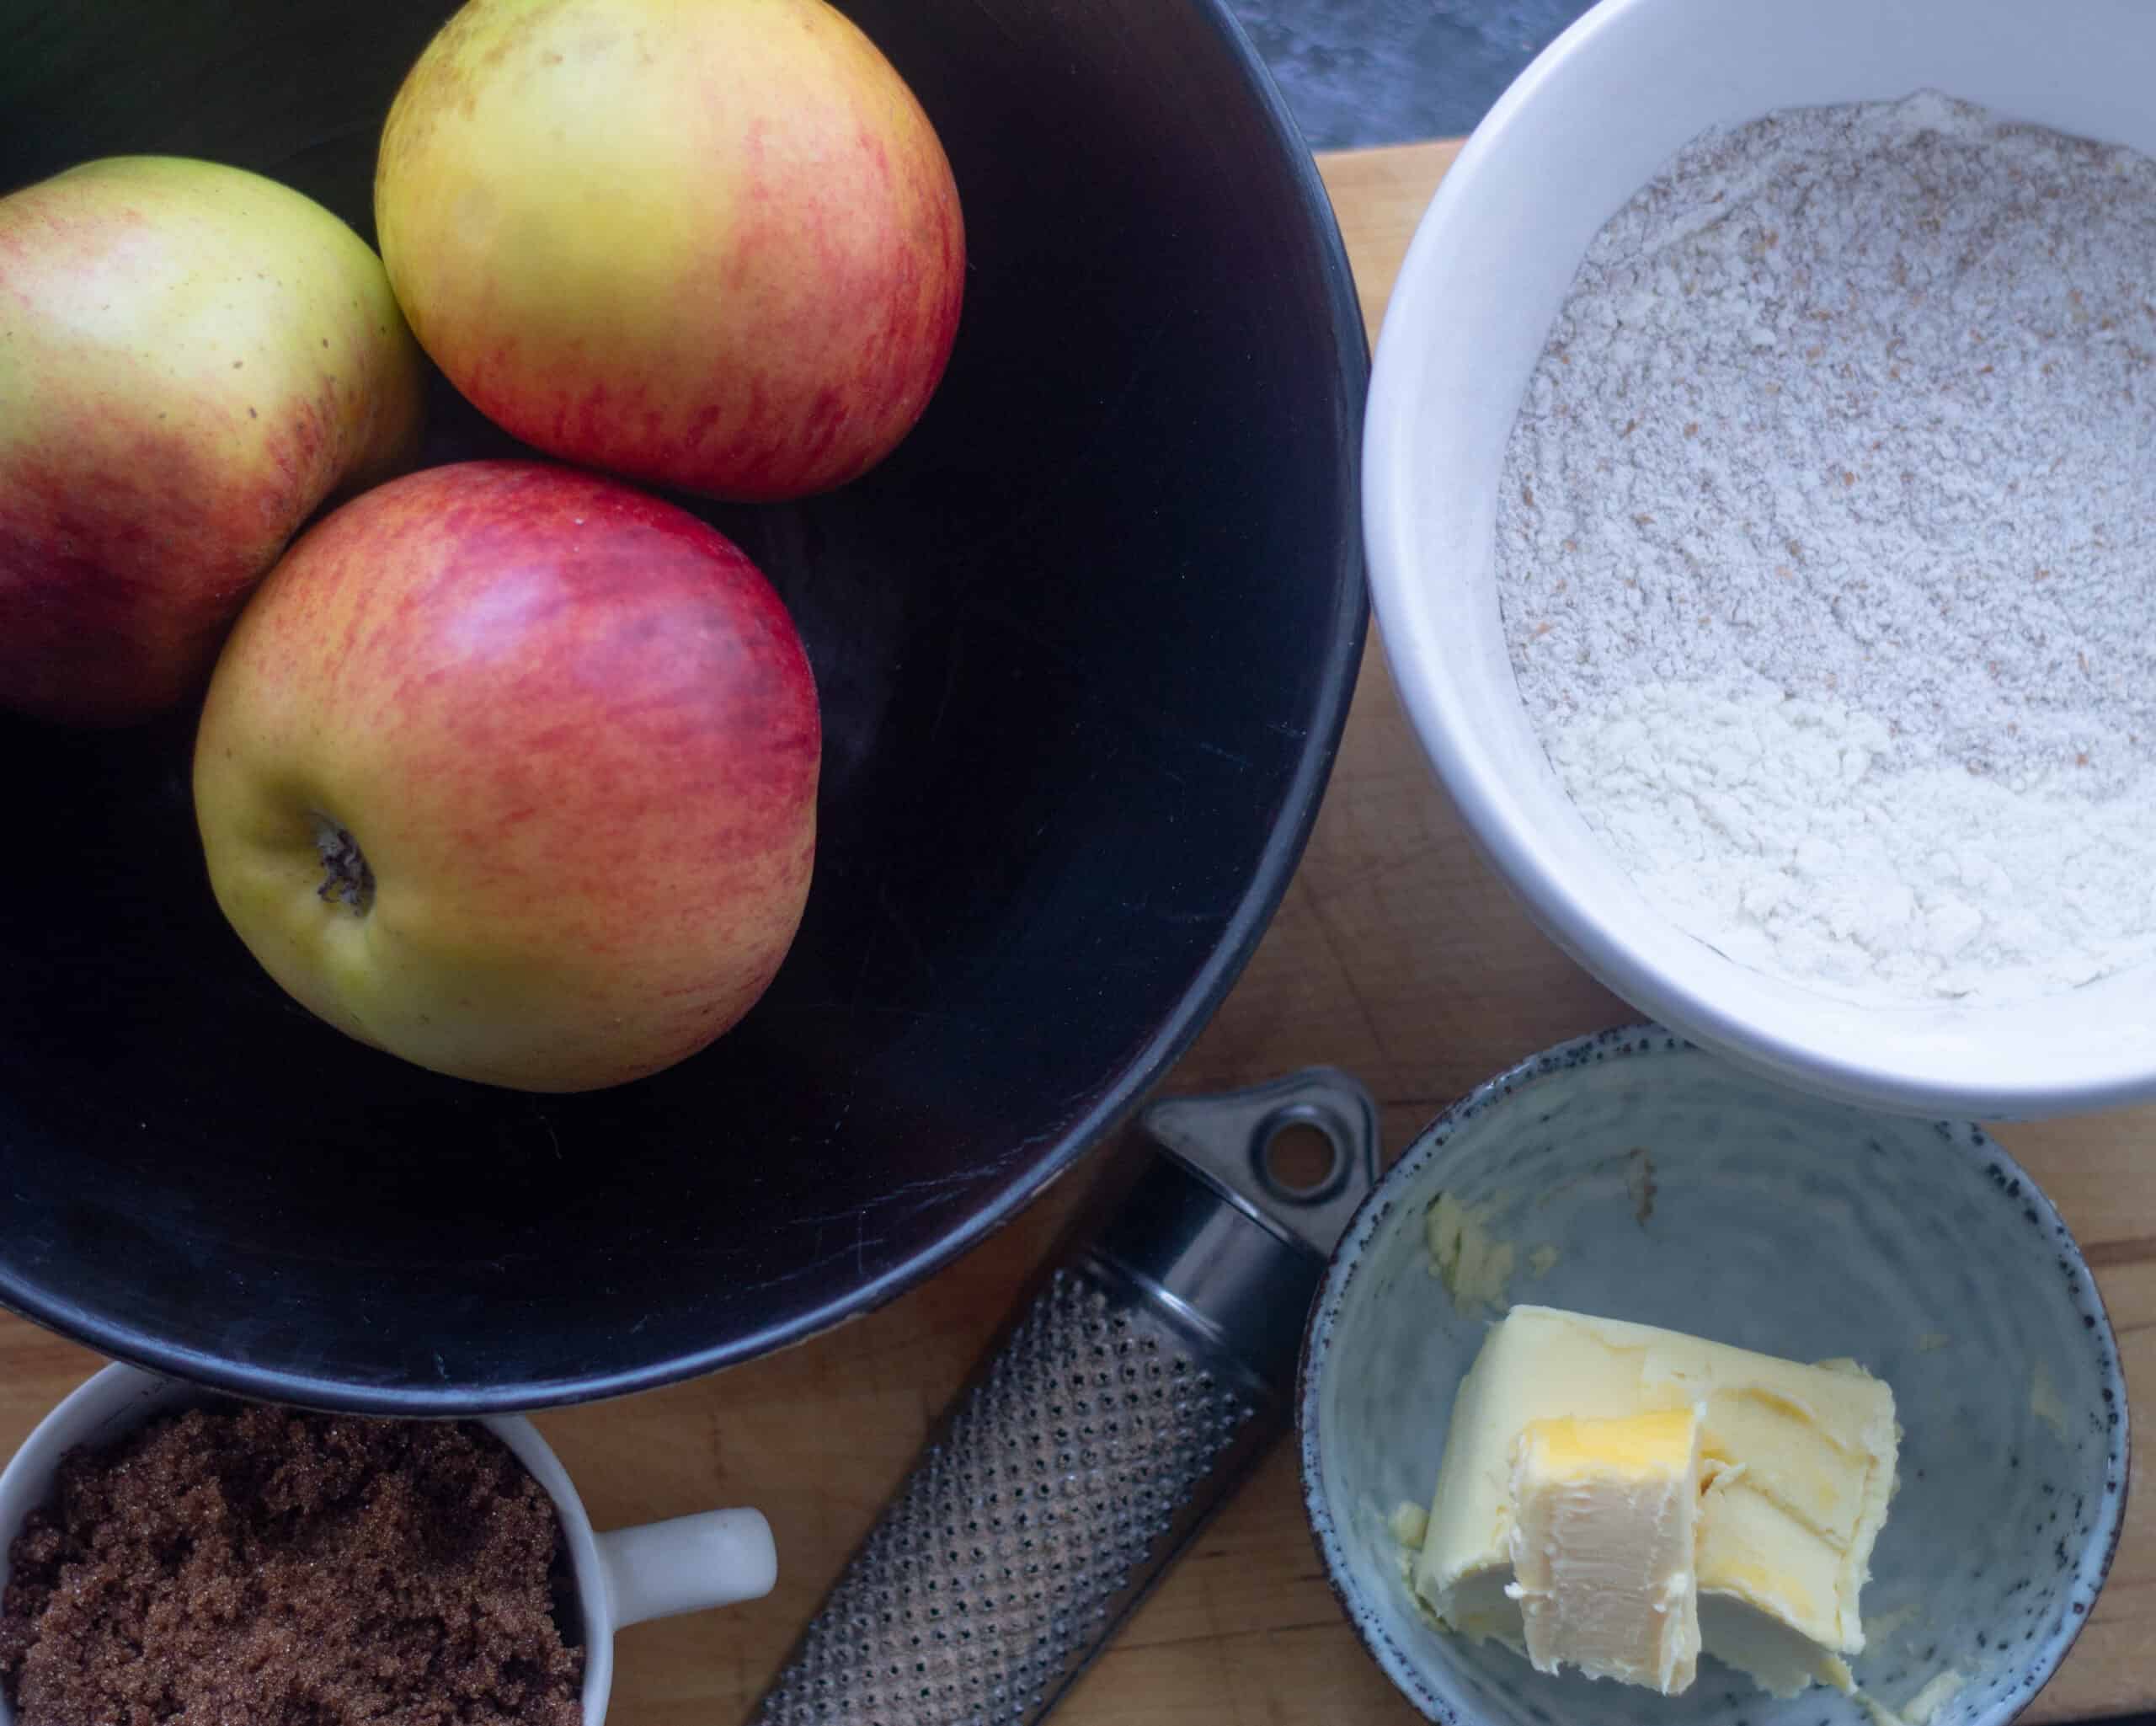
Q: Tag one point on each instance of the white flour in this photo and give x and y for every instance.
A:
(1825, 548)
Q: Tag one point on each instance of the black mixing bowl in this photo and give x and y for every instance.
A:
(1084, 646)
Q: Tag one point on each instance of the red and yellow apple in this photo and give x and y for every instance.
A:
(715, 246)
(511, 770)
(192, 359)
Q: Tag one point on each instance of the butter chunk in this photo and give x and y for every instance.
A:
(1603, 1513)
(1473, 1263)
(1797, 1468)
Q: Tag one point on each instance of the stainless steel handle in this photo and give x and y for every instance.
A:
(1151, 1368)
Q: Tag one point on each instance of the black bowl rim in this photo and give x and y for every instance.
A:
(1340, 660)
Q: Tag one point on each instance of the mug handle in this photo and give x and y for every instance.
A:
(687, 1564)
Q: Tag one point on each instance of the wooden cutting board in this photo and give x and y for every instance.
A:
(1398, 955)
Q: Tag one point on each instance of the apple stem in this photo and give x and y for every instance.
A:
(346, 879)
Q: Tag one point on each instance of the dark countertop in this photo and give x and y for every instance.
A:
(1383, 72)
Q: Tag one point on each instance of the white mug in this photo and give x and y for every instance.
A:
(622, 1577)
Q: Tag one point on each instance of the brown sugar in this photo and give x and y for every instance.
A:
(261, 1567)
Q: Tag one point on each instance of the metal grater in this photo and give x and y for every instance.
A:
(1150, 1370)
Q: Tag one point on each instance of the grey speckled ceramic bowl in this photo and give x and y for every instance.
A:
(1678, 1190)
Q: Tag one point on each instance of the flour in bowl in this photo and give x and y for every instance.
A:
(1827, 549)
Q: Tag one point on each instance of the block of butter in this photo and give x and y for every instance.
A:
(1796, 1465)
(1604, 1513)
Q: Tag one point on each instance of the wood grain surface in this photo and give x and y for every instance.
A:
(1398, 955)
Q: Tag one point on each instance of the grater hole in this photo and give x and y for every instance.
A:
(1300, 1157)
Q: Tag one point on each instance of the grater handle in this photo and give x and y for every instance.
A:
(1130, 1395)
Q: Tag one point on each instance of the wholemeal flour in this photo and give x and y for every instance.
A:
(1824, 548)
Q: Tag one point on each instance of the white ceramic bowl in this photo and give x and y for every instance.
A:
(1589, 123)
(622, 1577)
(1778, 1221)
